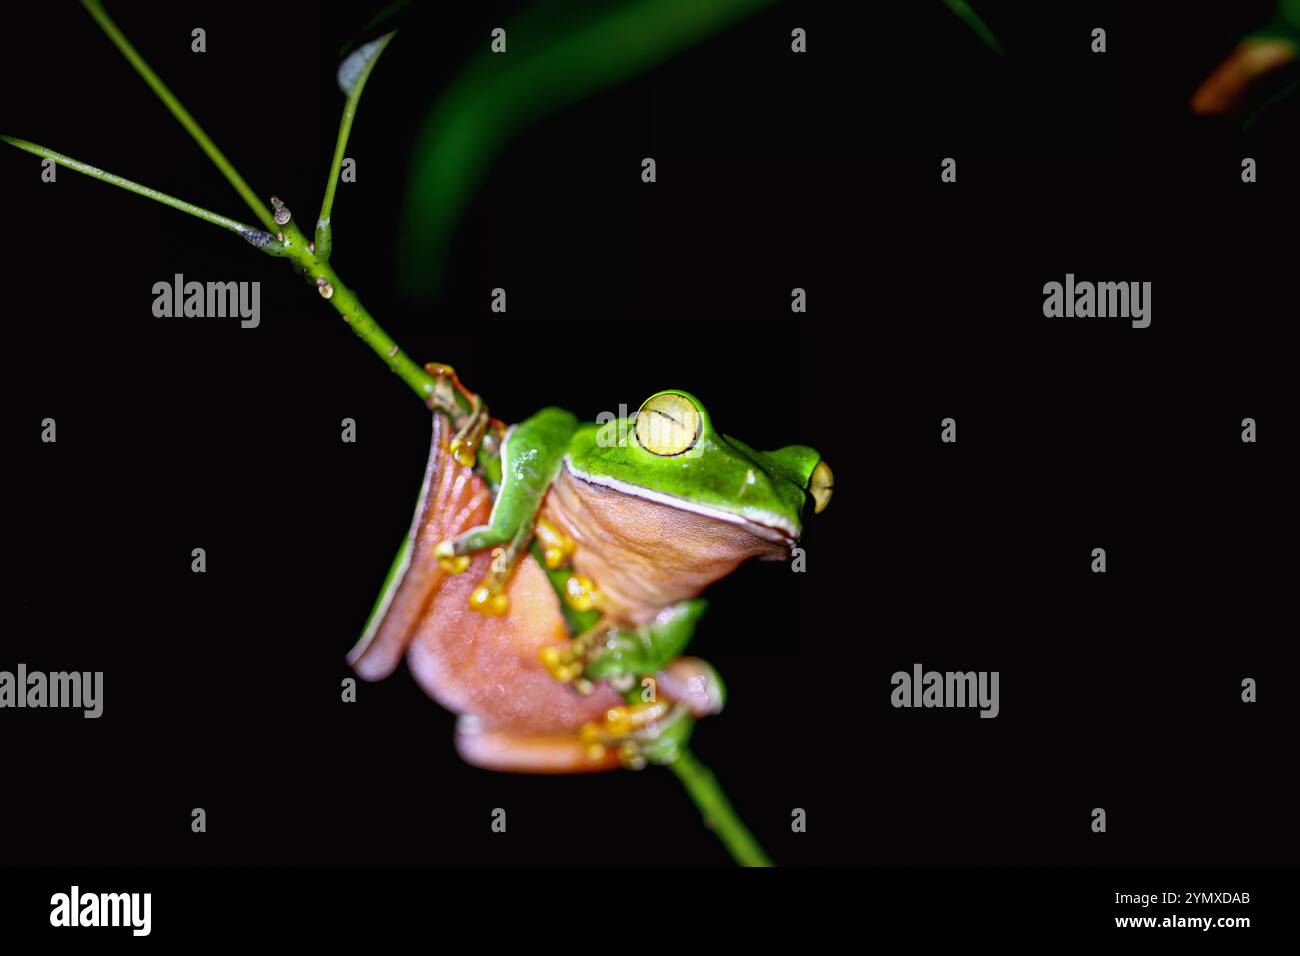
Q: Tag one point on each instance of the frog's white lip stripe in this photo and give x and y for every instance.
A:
(772, 528)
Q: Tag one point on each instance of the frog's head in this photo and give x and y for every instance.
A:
(670, 452)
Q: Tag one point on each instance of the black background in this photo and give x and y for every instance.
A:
(774, 171)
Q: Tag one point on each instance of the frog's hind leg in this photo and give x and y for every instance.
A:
(566, 662)
(655, 728)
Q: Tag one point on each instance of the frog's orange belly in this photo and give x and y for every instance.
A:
(490, 667)
(515, 716)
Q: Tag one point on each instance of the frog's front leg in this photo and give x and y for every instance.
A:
(532, 455)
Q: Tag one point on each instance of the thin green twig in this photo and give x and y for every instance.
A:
(369, 54)
(369, 331)
(96, 10)
(719, 816)
(289, 240)
(262, 240)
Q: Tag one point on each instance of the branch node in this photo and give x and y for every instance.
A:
(282, 214)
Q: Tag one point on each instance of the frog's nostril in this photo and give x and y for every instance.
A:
(820, 486)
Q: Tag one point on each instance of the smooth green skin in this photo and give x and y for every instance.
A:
(645, 650)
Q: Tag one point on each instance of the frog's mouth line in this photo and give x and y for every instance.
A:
(774, 528)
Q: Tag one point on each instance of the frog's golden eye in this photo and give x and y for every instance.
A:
(820, 485)
(668, 424)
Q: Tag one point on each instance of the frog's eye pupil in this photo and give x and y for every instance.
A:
(668, 424)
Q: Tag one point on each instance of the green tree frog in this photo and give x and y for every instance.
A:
(551, 578)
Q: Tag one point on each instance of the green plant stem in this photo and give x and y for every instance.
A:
(256, 237)
(369, 331)
(96, 10)
(298, 248)
(289, 239)
(324, 233)
(719, 816)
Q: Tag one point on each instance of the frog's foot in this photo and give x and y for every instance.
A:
(557, 547)
(650, 732)
(490, 596)
(449, 560)
(454, 556)
(581, 593)
(566, 662)
(497, 748)
(465, 443)
(472, 425)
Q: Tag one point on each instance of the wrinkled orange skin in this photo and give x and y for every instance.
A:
(646, 556)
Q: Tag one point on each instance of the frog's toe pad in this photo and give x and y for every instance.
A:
(489, 602)
(558, 548)
(580, 593)
(562, 662)
(497, 749)
(449, 560)
(464, 452)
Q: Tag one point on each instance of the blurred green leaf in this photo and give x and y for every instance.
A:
(557, 53)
